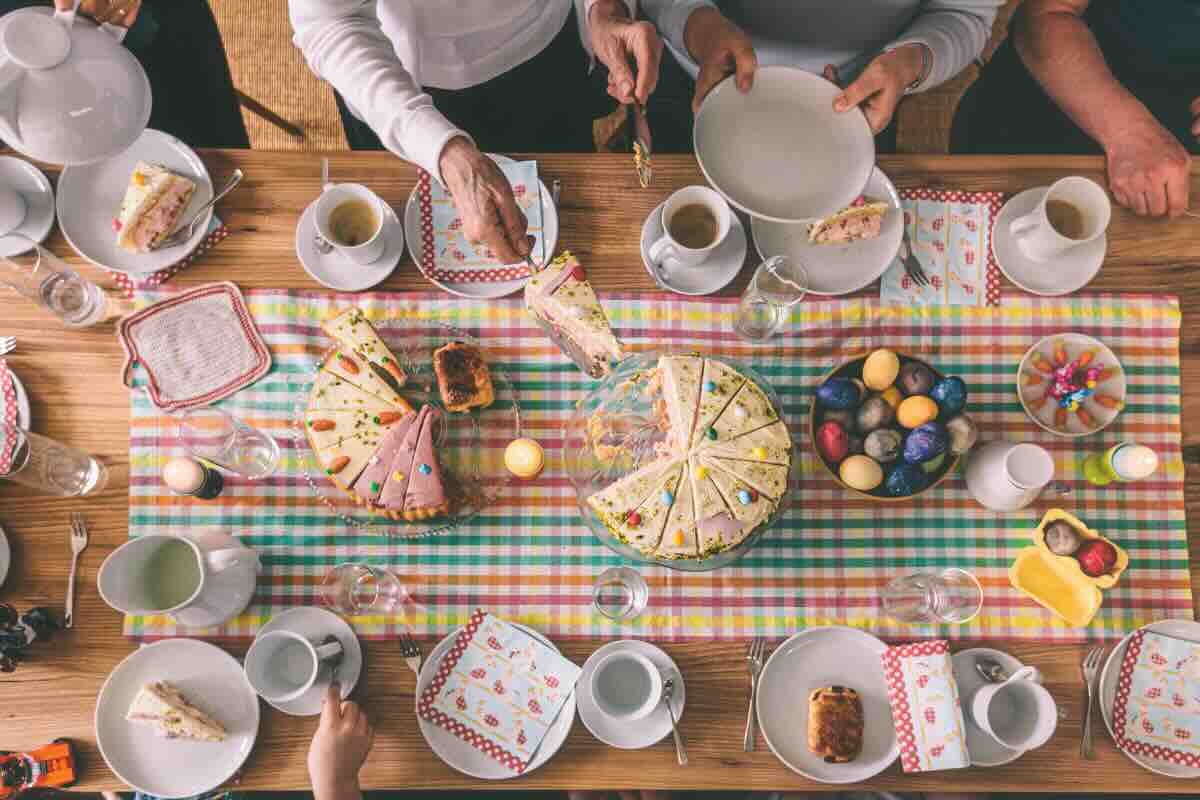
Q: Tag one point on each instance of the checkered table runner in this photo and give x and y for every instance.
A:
(529, 557)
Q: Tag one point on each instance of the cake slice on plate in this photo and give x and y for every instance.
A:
(352, 329)
(566, 307)
(154, 200)
(749, 507)
(328, 428)
(679, 534)
(643, 527)
(165, 708)
(391, 496)
(332, 393)
(370, 483)
(750, 410)
(355, 370)
(718, 386)
(345, 461)
(771, 445)
(626, 494)
(862, 219)
(425, 496)
(769, 479)
(680, 378)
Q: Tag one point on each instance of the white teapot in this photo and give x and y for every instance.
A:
(69, 92)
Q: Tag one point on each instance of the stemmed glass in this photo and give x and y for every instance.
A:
(951, 596)
(224, 440)
(778, 284)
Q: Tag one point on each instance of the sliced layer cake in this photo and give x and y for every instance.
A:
(566, 307)
(353, 330)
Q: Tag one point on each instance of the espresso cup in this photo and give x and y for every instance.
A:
(12, 210)
(282, 665)
(689, 254)
(1037, 237)
(626, 686)
(1019, 713)
(335, 195)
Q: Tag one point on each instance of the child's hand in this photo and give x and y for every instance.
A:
(339, 748)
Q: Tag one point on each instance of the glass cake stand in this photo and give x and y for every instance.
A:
(470, 446)
(619, 416)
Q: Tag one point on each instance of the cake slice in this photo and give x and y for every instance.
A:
(626, 494)
(154, 200)
(391, 496)
(353, 330)
(643, 527)
(679, 534)
(369, 484)
(771, 445)
(566, 307)
(769, 479)
(345, 461)
(355, 370)
(862, 219)
(718, 386)
(328, 428)
(681, 378)
(332, 393)
(426, 493)
(750, 410)
(749, 507)
(165, 708)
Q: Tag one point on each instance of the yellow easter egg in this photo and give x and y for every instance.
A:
(916, 411)
(880, 370)
(892, 396)
(861, 472)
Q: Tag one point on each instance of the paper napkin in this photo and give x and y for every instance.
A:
(925, 706)
(1157, 709)
(499, 689)
(447, 256)
(8, 406)
(951, 235)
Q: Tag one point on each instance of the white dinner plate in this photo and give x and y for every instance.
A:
(315, 624)
(983, 749)
(1065, 274)
(838, 268)
(35, 188)
(483, 290)
(630, 735)
(817, 657)
(334, 270)
(89, 197)
(211, 679)
(780, 151)
(1181, 628)
(5, 556)
(464, 757)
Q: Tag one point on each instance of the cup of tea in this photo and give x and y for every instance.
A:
(350, 217)
(1073, 212)
(626, 686)
(282, 665)
(1019, 713)
(696, 221)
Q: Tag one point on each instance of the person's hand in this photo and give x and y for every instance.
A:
(617, 41)
(880, 87)
(721, 49)
(484, 200)
(339, 748)
(1148, 169)
(114, 12)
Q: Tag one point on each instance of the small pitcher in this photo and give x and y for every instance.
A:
(1006, 476)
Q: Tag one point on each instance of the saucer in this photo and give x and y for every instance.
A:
(315, 624)
(629, 735)
(335, 271)
(984, 750)
(1063, 275)
(710, 276)
(32, 185)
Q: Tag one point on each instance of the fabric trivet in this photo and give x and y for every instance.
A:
(447, 256)
(127, 284)
(925, 706)
(951, 235)
(529, 558)
(8, 396)
(498, 689)
(1157, 709)
(196, 347)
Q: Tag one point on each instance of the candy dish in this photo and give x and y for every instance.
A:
(1071, 384)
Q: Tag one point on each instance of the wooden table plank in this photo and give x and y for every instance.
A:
(72, 377)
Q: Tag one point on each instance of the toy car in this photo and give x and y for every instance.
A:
(51, 765)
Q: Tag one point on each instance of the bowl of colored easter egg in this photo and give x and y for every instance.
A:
(1071, 384)
(890, 427)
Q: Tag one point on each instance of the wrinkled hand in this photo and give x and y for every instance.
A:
(484, 200)
(618, 41)
(1148, 168)
(880, 87)
(339, 748)
(114, 12)
(721, 49)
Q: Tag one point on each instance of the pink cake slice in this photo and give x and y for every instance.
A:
(426, 496)
(391, 498)
(370, 482)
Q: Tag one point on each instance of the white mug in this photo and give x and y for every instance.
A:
(282, 665)
(1006, 476)
(333, 196)
(1019, 713)
(1038, 239)
(626, 686)
(12, 210)
(667, 248)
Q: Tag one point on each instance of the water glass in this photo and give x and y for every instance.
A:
(224, 440)
(355, 589)
(951, 596)
(620, 593)
(41, 463)
(778, 284)
(46, 279)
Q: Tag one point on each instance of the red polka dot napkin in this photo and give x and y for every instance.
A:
(925, 706)
(8, 407)
(1157, 709)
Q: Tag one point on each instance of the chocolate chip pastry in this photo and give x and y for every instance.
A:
(835, 724)
(463, 377)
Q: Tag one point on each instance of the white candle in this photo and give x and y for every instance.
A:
(1132, 462)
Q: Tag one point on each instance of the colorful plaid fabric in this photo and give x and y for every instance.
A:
(529, 558)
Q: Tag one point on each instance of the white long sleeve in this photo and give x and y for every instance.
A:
(955, 31)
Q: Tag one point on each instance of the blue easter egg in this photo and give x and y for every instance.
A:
(839, 393)
(925, 443)
(951, 396)
(904, 480)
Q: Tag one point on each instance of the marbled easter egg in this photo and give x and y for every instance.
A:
(833, 442)
(840, 393)
(904, 480)
(874, 413)
(963, 434)
(951, 396)
(915, 378)
(925, 443)
(883, 445)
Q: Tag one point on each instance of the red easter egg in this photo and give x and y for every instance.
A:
(1097, 557)
(833, 442)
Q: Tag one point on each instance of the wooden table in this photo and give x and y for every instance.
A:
(78, 398)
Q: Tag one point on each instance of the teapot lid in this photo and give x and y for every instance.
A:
(69, 92)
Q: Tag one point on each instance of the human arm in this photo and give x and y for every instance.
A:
(615, 38)
(1148, 169)
(339, 748)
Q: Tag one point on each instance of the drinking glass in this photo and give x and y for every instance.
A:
(224, 440)
(355, 589)
(951, 596)
(46, 279)
(41, 463)
(620, 593)
(778, 284)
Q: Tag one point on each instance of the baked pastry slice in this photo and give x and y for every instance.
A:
(463, 378)
(154, 201)
(863, 219)
(391, 496)
(643, 527)
(624, 495)
(566, 307)
(353, 330)
(171, 714)
(770, 445)
(679, 535)
(328, 428)
(718, 386)
(835, 724)
(333, 393)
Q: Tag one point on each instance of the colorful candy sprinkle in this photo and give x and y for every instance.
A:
(375, 486)
(634, 519)
(710, 386)
(711, 433)
(744, 497)
(678, 538)
(424, 469)
(667, 497)
(397, 475)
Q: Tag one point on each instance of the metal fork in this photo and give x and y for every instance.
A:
(1090, 668)
(7, 345)
(754, 662)
(912, 267)
(79, 542)
(186, 232)
(411, 652)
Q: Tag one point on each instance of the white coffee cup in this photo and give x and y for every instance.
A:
(1019, 713)
(338, 193)
(12, 210)
(626, 686)
(282, 665)
(1038, 239)
(667, 248)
